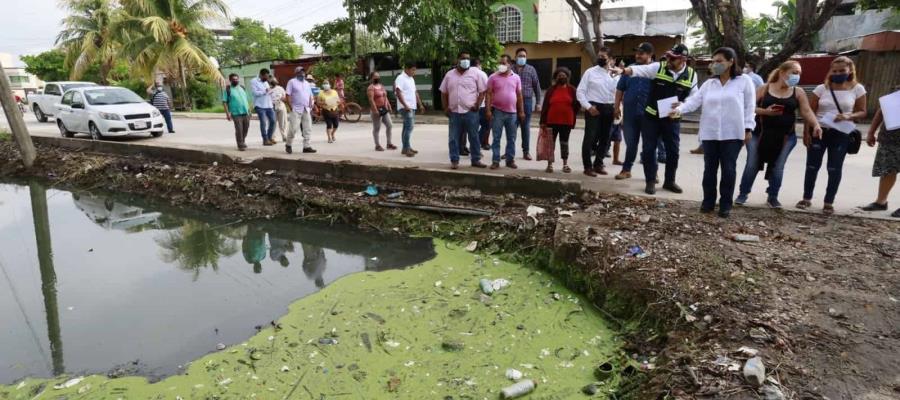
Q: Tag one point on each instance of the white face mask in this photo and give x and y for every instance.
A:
(503, 68)
(326, 86)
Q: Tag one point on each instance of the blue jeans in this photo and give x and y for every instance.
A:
(464, 124)
(266, 122)
(167, 115)
(484, 127)
(653, 131)
(526, 125)
(631, 129)
(835, 144)
(409, 121)
(720, 154)
(752, 166)
(503, 119)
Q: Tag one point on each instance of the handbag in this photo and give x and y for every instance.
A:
(855, 136)
(382, 111)
(545, 145)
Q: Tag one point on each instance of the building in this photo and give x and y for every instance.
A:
(849, 21)
(548, 30)
(21, 82)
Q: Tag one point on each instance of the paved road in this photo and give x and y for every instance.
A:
(354, 143)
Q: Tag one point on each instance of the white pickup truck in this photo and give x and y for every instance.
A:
(43, 103)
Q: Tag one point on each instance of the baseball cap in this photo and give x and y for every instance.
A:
(645, 47)
(679, 50)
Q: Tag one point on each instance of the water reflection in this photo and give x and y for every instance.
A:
(41, 219)
(119, 289)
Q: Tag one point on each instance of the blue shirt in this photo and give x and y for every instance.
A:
(636, 91)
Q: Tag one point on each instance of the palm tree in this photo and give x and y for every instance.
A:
(89, 36)
(164, 36)
(196, 245)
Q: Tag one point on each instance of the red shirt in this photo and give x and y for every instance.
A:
(560, 111)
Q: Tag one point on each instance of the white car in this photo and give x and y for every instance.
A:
(106, 111)
(43, 103)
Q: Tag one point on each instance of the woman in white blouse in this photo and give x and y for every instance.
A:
(840, 84)
(729, 106)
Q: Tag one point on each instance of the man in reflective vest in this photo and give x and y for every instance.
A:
(671, 78)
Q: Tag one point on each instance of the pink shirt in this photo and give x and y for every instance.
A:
(463, 89)
(505, 90)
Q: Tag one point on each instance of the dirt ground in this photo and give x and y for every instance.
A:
(816, 297)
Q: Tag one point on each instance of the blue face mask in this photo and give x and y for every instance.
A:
(840, 78)
(464, 63)
(520, 61)
(792, 80)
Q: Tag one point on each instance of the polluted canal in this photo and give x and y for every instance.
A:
(106, 298)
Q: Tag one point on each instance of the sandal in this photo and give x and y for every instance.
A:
(828, 209)
(804, 204)
(566, 169)
(549, 169)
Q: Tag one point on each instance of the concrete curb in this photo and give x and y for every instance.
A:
(687, 127)
(333, 170)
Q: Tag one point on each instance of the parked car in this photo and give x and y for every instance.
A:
(104, 111)
(43, 102)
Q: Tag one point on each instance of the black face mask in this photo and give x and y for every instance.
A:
(234, 83)
(601, 62)
(376, 81)
(562, 81)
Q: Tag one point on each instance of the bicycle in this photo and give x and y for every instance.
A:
(351, 112)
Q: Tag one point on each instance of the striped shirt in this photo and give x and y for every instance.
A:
(160, 100)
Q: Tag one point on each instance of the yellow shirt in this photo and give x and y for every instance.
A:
(330, 99)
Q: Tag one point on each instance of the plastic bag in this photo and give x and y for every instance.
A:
(545, 145)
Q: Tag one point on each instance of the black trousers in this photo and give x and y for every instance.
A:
(596, 136)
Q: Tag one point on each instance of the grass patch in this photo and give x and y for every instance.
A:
(5, 135)
(214, 109)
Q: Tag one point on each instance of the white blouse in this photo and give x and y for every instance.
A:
(727, 110)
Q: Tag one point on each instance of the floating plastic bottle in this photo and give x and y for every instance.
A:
(519, 389)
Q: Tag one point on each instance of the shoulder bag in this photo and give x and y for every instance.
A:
(855, 136)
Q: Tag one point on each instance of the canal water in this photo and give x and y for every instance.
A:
(92, 284)
(94, 287)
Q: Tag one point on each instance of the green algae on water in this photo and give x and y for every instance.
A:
(427, 332)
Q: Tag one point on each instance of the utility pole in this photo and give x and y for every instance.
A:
(352, 33)
(16, 123)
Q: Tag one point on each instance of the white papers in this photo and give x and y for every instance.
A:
(665, 106)
(890, 110)
(843, 126)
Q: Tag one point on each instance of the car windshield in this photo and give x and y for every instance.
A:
(102, 97)
(76, 85)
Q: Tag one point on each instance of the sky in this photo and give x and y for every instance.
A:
(34, 28)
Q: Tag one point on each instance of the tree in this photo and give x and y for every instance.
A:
(196, 245)
(89, 35)
(588, 15)
(333, 38)
(723, 23)
(47, 66)
(433, 30)
(251, 41)
(163, 35)
(809, 18)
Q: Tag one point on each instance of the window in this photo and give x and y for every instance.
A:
(52, 89)
(509, 24)
(76, 98)
(67, 99)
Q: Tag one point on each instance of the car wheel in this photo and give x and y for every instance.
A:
(41, 117)
(62, 129)
(95, 132)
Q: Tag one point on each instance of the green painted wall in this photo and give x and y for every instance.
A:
(529, 18)
(246, 71)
